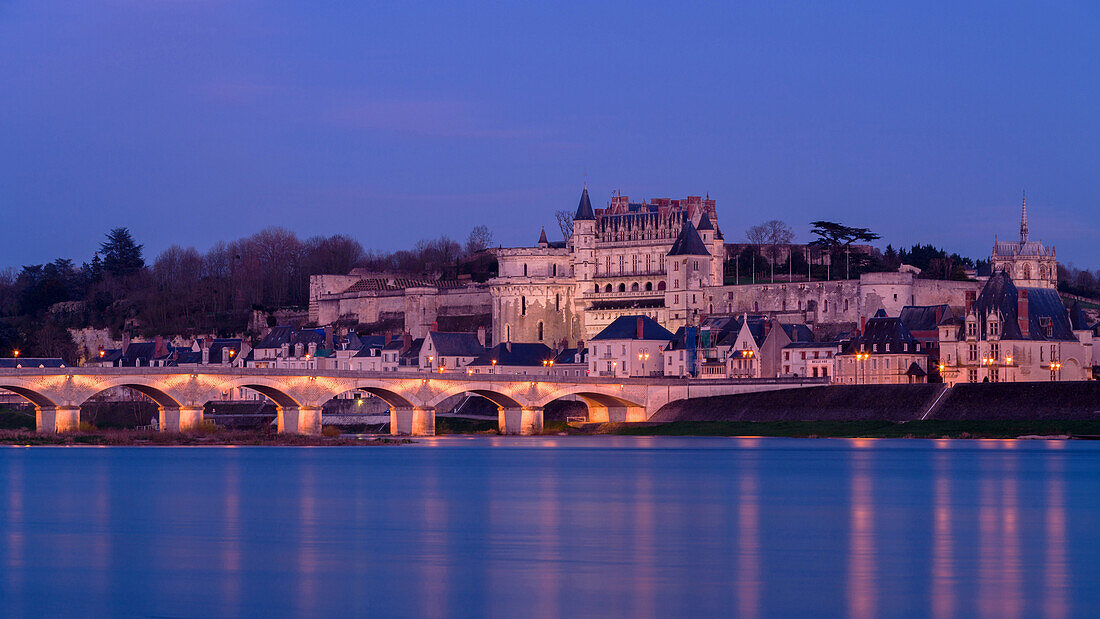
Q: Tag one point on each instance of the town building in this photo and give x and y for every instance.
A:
(629, 346)
(443, 351)
(1015, 334)
(883, 352)
(809, 359)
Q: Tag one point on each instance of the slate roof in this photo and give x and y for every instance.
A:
(1077, 318)
(288, 335)
(449, 344)
(584, 208)
(568, 355)
(528, 354)
(704, 223)
(915, 370)
(798, 332)
(626, 328)
(542, 237)
(923, 317)
(688, 243)
(276, 337)
(31, 362)
(1001, 295)
(884, 330)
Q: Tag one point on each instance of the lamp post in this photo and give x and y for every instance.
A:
(643, 357)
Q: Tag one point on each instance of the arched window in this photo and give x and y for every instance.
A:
(525, 269)
(554, 269)
(557, 302)
(1027, 271)
(845, 304)
(540, 330)
(622, 287)
(523, 306)
(607, 288)
(660, 285)
(597, 287)
(648, 286)
(634, 287)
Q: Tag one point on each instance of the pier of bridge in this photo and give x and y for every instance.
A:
(298, 395)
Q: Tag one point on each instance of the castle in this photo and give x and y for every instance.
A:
(660, 258)
(653, 258)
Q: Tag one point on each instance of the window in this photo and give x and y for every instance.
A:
(523, 306)
(786, 355)
(972, 376)
(557, 301)
(995, 351)
(525, 270)
(972, 354)
(540, 330)
(803, 356)
(994, 327)
(887, 346)
(971, 329)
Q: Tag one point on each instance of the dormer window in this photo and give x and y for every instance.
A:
(887, 346)
(971, 329)
(994, 327)
(874, 347)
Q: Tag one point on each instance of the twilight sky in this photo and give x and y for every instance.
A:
(193, 121)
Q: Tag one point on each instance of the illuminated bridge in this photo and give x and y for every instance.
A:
(298, 395)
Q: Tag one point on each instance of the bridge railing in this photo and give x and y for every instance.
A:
(424, 376)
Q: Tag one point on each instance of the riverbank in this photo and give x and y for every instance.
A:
(214, 437)
(964, 429)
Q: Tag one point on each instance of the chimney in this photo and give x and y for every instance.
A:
(125, 341)
(939, 314)
(406, 341)
(159, 349)
(1021, 312)
(580, 351)
(205, 354)
(481, 336)
(767, 327)
(640, 327)
(862, 324)
(328, 337)
(435, 325)
(970, 297)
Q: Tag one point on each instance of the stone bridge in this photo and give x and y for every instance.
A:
(298, 395)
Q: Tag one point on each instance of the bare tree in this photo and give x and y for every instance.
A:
(480, 238)
(776, 234)
(565, 222)
(758, 236)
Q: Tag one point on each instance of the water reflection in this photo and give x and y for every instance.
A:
(696, 527)
(943, 542)
(862, 594)
(1055, 573)
(748, 528)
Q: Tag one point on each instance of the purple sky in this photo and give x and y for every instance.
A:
(200, 120)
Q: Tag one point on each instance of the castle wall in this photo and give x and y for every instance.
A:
(519, 307)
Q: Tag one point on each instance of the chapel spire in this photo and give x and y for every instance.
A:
(1023, 220)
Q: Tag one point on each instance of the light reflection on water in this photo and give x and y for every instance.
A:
(554, 526)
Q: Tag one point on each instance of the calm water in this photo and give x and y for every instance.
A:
(556, 526)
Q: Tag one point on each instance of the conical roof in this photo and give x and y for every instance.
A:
(584, 209)
(704, 222)
(689, 242)
(542, 237)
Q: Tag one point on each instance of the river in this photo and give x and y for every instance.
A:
(555, 526)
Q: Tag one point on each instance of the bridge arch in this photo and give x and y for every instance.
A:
(147, 387)
(496, 396)
(268, 388)
(29, 390)
(388, 395)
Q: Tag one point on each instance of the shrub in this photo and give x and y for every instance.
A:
(330, 431)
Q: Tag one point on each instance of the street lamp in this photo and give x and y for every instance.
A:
(15, 352)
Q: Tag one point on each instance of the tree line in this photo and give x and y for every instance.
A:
(185, 291)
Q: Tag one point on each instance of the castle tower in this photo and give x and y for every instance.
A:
(690, 269)
(584, 242)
